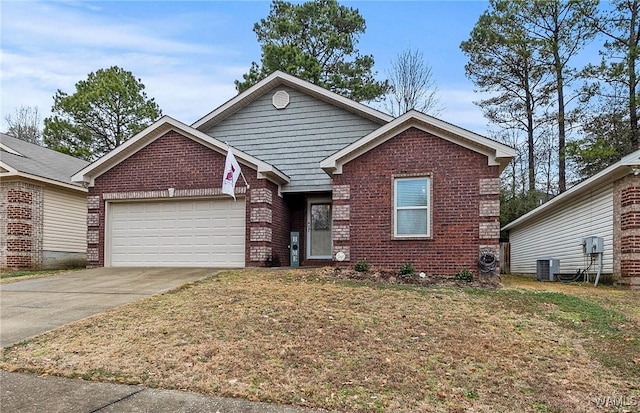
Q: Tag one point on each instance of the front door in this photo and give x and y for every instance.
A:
(319, 229)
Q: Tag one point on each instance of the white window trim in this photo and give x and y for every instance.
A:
(395, 208)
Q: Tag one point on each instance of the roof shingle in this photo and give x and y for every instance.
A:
(39, 161)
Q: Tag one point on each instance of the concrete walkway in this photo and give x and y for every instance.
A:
(25, 393)
(32, 307)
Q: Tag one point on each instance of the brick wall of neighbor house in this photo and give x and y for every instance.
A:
(21, 219)
(464, 199)
(175, 161)
(626, 231)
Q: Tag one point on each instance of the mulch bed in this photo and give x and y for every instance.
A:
(386, 276)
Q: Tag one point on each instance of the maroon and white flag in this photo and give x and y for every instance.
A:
(231, 174)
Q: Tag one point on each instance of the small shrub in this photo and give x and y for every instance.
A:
(361, 266)
(407, 269)
(464, 275)
(272, 261)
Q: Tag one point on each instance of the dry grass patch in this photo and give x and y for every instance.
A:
(11, 276)
(302, 337)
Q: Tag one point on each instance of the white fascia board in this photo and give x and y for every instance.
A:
(335, 98)
(497, 153)
(281, 78)
(46, 181)
(619, 169)
(264, 170)
(158, 129)
(10, 169)
(112, 158)
(10, 150)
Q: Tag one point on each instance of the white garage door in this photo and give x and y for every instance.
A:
(194, 233)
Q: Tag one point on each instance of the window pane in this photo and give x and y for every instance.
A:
(321, 216)
(412, 222)
(411, 192)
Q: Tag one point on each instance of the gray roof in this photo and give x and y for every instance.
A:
(629, 164)
(39, 161)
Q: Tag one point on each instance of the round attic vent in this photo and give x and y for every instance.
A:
(280, 99)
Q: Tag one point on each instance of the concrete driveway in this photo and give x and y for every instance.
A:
(31, 307)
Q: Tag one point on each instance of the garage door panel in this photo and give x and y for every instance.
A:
(178, 233)
(151, 241)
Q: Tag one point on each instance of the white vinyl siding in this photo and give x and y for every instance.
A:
(64, 226)
(559, 234)
(294, 139)
(182, 233)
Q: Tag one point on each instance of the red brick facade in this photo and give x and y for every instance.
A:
(192, 169)
(464, 195)
(464, 209)
(626, 229)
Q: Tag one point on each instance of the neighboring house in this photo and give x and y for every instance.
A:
(607, 205)
(356, 184)
(43, 214)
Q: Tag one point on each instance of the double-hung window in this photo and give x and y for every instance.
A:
(411, 207)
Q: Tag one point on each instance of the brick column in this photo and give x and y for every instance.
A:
(93, 231)
(489, 217)
(260, 225)
(21, 219)
(626, 229)
(341, 216)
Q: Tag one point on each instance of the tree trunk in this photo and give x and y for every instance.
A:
(562, 174)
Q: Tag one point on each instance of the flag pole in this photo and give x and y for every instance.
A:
(244, 179)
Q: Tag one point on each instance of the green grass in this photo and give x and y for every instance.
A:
(610, 329)
(18, 273)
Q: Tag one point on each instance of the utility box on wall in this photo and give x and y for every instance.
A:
(593, 245)
(294, 249)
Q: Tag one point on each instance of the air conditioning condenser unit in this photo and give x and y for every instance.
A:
(547, 269)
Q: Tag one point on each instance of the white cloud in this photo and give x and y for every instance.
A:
(461, 111)
(78, 29)
(188, 78)
(187, 57)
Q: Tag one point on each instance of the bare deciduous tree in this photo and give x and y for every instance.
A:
(412, 85)
(24, 124)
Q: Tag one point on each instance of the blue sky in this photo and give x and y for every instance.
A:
(188, 53)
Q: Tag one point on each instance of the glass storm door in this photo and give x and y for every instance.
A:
(319, 230)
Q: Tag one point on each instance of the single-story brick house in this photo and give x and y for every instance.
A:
(43, 214)
(355, 183)
(606, 206)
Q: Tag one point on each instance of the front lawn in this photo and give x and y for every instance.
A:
(303, 337)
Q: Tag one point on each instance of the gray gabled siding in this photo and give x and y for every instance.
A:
(294, 139)
(559, 234)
